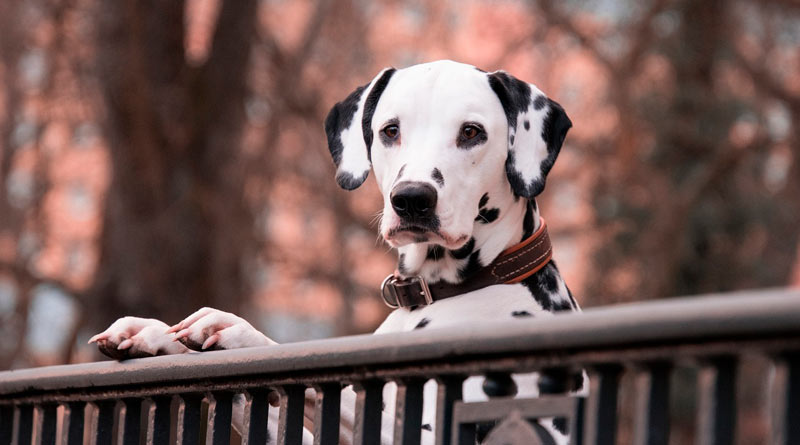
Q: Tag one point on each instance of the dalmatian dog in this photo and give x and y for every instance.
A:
(459, 155)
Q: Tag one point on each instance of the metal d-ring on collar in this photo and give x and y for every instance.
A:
(405, 292)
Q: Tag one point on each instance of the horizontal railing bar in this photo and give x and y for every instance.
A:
(761, 314)
(446, 366)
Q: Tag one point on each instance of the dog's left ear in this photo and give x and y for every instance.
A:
(537, 127)
(349, 130)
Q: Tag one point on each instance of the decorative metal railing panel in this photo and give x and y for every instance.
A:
(191, 398)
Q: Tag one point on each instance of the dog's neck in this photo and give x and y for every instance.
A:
(501, 222)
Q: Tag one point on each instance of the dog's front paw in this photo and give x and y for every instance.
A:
(134, 337)
(212, 329)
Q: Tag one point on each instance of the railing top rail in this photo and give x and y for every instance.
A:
(734, 316)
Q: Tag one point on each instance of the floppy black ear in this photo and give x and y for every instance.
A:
(349, 130)
(537, 127)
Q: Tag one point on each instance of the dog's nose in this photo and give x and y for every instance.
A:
(414, 200)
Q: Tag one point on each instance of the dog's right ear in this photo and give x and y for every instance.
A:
(349, 130)
(537, 127)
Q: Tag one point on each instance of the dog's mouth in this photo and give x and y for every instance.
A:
(415, 229)
(417, 233)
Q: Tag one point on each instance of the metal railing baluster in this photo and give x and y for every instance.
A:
(73, 423)
(717, 401)
(290, 419)
(157, 421)
(600, 418)
(44, 427)
(6, 424)
(218, 430)
(449, 389)
(326, 413)
(408, 411)
(652, 405)
(129, 421)
(256, 412)
(369, 408)
(102, 422)
(23, 424)
(188, 419)
(785, 400)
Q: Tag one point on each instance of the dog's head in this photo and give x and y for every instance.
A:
(439, 136)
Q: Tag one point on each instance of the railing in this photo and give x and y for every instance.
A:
(161, 399)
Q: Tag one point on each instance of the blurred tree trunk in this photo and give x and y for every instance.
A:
(175, 222)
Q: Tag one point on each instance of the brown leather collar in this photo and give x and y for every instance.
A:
(512, 266)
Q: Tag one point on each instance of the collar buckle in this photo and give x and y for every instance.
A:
(409, 292)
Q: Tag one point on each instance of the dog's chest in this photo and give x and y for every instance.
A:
(493, 303)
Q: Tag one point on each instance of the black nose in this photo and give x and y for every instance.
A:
(414, 200)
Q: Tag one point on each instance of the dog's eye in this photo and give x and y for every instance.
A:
(391, 131)
(470, 135)
(470, 131)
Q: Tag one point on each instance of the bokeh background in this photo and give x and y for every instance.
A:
(161, 156)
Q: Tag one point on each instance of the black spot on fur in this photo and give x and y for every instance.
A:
(511, 139)
(435, 252)
(514, 95)
(437, 176)
(527, 221)
(487, 216)
(427, 427)
(473, 265)
(464, 250)
(564, 305)
(539, 102)
(339, 118)
(527, 124)
(543, 286)
(521, 314)
(422, 323)
(554, 131)
(349, 182)
(560, 424)
(514, 177)
(571, 298)
(484, 200)
(548, 278)
(369, 108)
(401, 263)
